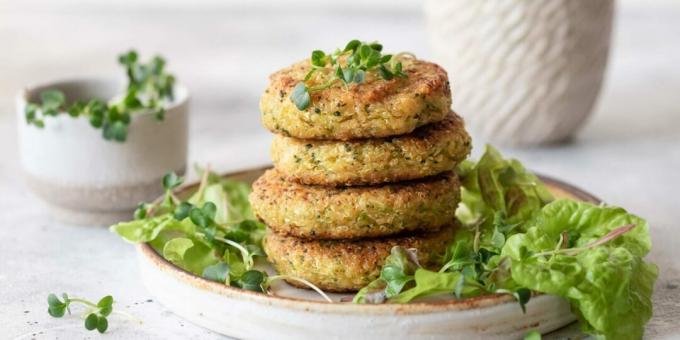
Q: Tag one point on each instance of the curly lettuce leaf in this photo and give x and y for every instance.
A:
(609, 286)
(494, 186)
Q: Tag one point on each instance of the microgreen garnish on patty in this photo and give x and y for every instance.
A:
(347, 66)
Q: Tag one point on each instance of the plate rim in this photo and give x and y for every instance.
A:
(484, 301)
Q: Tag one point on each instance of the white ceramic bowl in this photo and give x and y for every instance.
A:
(300, 314)
(86, 179)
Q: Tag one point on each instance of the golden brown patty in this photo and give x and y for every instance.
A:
(374, 108)
(345, 266)
(318, 212)
(428, 151)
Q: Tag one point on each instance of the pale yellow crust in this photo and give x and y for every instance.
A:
(375, 108)
(318, 212)
(347, 266)
(428, 151)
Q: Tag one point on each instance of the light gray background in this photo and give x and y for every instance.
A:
(628, 154)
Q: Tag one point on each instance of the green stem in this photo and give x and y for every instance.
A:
(604, 239)
(83, 301)
(303, 281)
(321, 87)
(244, 252)
(204, 184)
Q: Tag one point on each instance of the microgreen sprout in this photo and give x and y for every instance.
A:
(347, 66)
(300, 280)
(148, 87)
(95, 314)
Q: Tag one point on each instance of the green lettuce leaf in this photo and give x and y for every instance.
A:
(146, 230)
(175, 249)
(237, 195)
(189, 255)
(496, 186)
(609, 285)
(212, 230)
(432, 283)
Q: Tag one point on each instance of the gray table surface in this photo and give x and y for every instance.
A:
(628, 154)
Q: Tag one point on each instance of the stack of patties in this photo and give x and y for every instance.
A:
(362, 169)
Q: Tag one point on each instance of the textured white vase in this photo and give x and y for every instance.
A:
(522, 71)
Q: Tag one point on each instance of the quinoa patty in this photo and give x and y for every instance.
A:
(347, 266)
(374, 108)
(429, 150)
(310, 211)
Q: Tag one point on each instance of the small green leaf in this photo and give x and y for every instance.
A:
(115, 131)
(171, 181)
(53, 300)
(385, 73)
(300, 96)
(105, 305)
(352, 45)
(182, 210)
(348, 75)
(198, 218)
(209, 210)
(52, 100)
(56, 312)
(97, 120)
(91, 321)
(376, 46)
(318, 58)
(140, 212)
(398, 72)
(218, 272)
(30, 111)
(102, 324)
(364, 51)
(131, 101)
(252, 280)
(128, 58)
(105, 301)
(157, 65)
(523, 296)
(57, 308)
(360, 76)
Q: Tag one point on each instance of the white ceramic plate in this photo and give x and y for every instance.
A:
(300, 314)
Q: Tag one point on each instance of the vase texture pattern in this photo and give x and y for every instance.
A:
(523, 71)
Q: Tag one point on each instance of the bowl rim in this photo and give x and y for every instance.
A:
(182, 95)
(484, 301)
